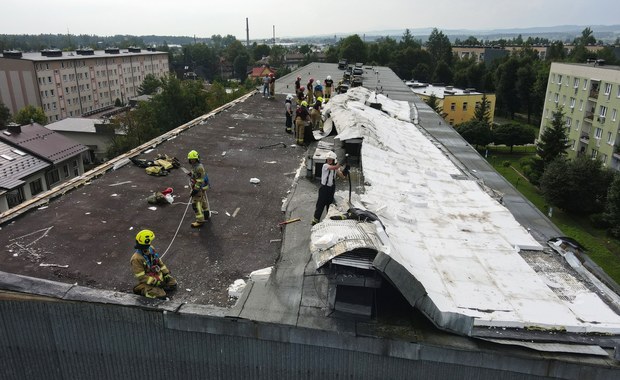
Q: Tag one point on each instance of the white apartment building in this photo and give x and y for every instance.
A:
(75, 83)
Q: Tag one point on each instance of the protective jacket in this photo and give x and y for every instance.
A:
(148, 268)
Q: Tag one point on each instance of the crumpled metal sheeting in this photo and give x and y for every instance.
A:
(332, 238)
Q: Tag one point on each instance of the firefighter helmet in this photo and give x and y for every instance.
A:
(304, 104)
(302, 88)
(145, 237)
(289, 97)
(193, 155)
(329, 77)
(319, 99)
(311, 80)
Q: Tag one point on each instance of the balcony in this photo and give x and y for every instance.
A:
(601, 119)
(584, 139)
(593, 94)
(589, 117)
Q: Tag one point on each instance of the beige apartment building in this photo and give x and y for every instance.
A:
(75, 83)
(589, 95)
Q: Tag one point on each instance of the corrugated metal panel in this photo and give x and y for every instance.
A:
(71, 340)
(331, 238)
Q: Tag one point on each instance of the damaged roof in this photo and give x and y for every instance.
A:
(420, 178)
(451, 235)
(16, 165)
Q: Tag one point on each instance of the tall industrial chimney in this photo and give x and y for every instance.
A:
(247, 33)
(274, 35)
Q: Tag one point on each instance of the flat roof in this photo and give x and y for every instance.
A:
(75, 124)
(86, 236)
(442, 91)
(73, 55)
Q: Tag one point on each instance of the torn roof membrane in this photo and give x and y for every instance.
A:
(449, 234)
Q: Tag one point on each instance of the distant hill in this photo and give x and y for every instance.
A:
(605, 33)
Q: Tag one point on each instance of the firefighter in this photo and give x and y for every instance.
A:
(310, 89)
(302, 117)
(315, 114)
(300, 95)
(328, 185)
(272, 86)
(199, 185)
(318, 89)
(288, 108)
(329, 84)
(297, 84)
(153, 276)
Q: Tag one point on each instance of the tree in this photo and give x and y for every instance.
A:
(578, 187)
(5, 115)
(443, 73)
(553, 140)
(434, 104)
(475, 133)
(556, 52)
(422, 72)
(612, 207)
(30, 113)
(353, 49)
(276, 57)
(260, 51)
(240, 65)
(525, 82)
(506, 79)
(512, 134)
(149, 85)
(439, 47)
(482, 112)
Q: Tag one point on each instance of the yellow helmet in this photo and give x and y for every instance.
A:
(319, 99)
(145, 237)
(193, 155)
(304, 103)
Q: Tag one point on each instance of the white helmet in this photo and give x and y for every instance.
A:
(329, 77)
(331, 155)
(289, 97)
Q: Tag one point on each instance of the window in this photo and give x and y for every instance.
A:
(76, 168)
(52, 177)
(49, 79)
(557, 97)
(598, 132)
(607, 88)
(452, 106)
(36, 187)
(576, 83)
(609, 138)
(580, 104)
(614, 113)
(594, 153)
(572, 102)
(577, 124)
(569, 121)
(603, 112)
(559, 79)
(603, 158)
(585, 84)
(65, 170)
(464, 106)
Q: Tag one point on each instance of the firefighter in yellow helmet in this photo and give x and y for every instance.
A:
(153, 275)
(199, 185)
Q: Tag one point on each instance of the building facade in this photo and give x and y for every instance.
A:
(589, 95)
(458, 105)
(76, 83)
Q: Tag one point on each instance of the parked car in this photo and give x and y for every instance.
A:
(358, 71)
(342, 64)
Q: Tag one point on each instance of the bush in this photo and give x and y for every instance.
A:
(506, 164)
(599, 221)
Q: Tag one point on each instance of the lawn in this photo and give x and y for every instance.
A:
(604, 251)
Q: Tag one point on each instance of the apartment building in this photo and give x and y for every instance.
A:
(458, 105)
(75, 83)
(589, 95)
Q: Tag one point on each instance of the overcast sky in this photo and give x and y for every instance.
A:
(204, 18)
